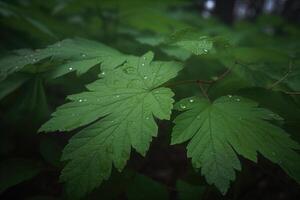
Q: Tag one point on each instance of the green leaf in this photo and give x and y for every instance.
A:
(15, 171)
(192, 41)
(18, 59)
(144, 188)
(76, 54)
(231, 125)
(12, 83)
(126, 101)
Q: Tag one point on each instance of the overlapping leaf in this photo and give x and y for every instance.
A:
(76, 54)
(220, 130)
(126, 101)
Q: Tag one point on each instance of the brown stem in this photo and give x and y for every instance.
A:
(198, 81)
(203, 91)
(284, 77)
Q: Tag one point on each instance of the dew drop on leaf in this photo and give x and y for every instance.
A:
(238, 99)
(83, 55)
(145, 77)
(70, 68)
(191, 100)
(229, 95)
(80, 100)
(182, 106)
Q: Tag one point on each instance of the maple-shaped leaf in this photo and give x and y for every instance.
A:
(218, 131)
(75, 54)
(121, 107)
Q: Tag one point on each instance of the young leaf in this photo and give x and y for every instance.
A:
(220, 130)
(126, 101)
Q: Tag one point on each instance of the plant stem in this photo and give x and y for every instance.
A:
(284, 77)
(203, 91)
(198, 81)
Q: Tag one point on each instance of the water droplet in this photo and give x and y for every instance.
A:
(238, 99)
(230, 96)
(34, 60)
(205, 50)
(182, 106)
(83, 55)
(143, 64)
(145, 77)
(191, 100)
(80, 100)
(70, 68)
(117, 96)
(102, 73)
(147, 118)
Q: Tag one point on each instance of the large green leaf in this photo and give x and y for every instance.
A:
(126, 100)
(231, 125)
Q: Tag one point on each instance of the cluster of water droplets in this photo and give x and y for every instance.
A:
(237, 99)
(82, 100)
(183, 106)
